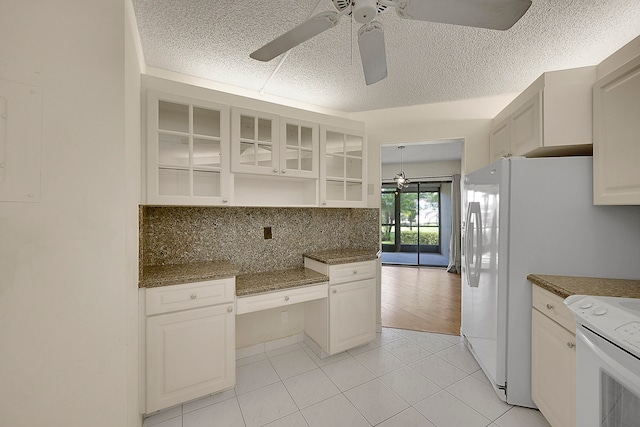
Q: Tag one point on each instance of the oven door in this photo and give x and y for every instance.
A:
(607, 383)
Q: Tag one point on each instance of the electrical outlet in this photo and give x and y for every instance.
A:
(267, 233)
(284, 316)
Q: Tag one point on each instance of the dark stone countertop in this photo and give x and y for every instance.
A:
(270, 281)
(342, 256)
(564, 286)
(175, 274)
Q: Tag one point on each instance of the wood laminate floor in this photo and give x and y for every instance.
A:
(421, 299)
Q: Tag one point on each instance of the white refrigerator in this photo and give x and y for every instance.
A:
(532, 216)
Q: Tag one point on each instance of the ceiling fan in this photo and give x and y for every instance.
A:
(491, 14)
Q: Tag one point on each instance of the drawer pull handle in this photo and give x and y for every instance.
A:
(229, 310)
(335, 291)
(194, 296)
(286, 298)
(571, 345)
(549, 306)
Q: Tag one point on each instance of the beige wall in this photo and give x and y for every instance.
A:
(65, 308)
(421, 170)
(469, 120)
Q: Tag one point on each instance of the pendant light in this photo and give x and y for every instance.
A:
(400, 178)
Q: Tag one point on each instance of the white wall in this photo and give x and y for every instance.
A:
(66, 261)
(134, 64)
(422, 169)
(469, 120)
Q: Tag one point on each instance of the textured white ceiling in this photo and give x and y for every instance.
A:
(427, 62)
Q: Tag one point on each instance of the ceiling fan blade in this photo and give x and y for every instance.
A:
(372, 52)
(300, 34)
(492, 14)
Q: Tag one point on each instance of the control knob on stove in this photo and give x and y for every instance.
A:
(599, 311)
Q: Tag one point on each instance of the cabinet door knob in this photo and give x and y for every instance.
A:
(549, 306)
(286, 298)
(355, 271)
(275, 171)
(283, 171)
(224, 200)
(571, 345)
(230, 309)
(194, 296)
(334, 291)
(324, 203)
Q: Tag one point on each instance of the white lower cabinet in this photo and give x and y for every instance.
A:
(352, 317)
(553, 359)
(347, 318)
(190, 353)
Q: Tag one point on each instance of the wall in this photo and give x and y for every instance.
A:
(175, 235)
(64, 304)
(421, 170)
(134, 64)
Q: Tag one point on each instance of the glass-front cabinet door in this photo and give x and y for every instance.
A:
(187, 151)
(342, 167)
(254, 142)
(299, 144)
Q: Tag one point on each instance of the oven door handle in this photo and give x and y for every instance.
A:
(623, 375)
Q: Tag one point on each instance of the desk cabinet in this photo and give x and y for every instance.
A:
(346, 319)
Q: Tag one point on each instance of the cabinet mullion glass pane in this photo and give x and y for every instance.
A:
(173, 116)
(264, 130)
(306, 137)
(206, 152)
(173, 149)
(248, 153)
(206, 122)
(248, 128)
(292, 158)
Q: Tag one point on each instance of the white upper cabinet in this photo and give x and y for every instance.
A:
(187, 151)
(267, 144)
(255, 145)
(299, 148)
(552, 117)
(616, 136)
(342, 167)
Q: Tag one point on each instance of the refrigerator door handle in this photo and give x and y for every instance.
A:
(474, 244)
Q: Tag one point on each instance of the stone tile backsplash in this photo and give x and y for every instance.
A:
(178, 235)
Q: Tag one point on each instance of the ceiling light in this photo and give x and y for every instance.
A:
(400, 178)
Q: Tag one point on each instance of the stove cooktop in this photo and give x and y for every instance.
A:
(615, 319)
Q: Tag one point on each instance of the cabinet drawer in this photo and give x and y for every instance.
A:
(191, 295)
(351, 272)
(553, 306)
(282, 298)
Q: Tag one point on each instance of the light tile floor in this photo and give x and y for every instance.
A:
(403, 379)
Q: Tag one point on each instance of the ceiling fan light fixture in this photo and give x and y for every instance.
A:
(400, 178)
(372, 52)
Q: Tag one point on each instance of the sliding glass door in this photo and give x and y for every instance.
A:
(411, 223)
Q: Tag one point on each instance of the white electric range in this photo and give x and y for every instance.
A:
(607, 360)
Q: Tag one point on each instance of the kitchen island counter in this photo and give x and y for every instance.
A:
(565, 286)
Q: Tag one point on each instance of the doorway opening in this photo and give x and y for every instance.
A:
(416, 227)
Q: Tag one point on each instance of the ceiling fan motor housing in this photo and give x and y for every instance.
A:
(364, 11)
